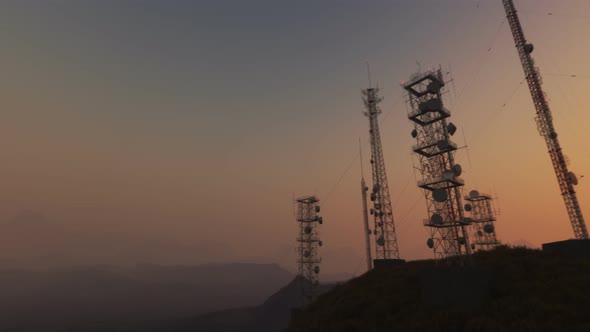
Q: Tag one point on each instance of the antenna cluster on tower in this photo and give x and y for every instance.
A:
(308, 217)
(440, 174)
(483, 217)
(383, 224)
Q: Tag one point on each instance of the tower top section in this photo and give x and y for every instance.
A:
(371, 100)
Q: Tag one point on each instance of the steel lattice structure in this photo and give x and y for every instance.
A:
(544, 121)
(366, 229)
(308, 243)
(440, 181)
(384, 227)
(483, 231)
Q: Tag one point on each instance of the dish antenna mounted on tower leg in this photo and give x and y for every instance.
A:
(565, 178)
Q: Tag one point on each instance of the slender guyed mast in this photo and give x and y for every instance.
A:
(565, 178)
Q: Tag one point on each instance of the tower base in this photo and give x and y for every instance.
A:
(387, 263)
(577, 248)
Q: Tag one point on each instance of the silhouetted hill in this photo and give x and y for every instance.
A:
(55, 298)
(271, 316)
(524, 290)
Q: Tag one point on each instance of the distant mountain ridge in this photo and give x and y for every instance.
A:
(48, 299)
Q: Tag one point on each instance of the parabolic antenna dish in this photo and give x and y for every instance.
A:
(307, 230)
(434, 104)
(474, 194)
(321, 220)
(381, 241)
(488, 228)
(414, 133)
(434, 87)
(458, 170)
(440, 195)
(316, 269)
(317, 208)
(451, 128)
(462, 241)
(573, 178)
(468, 207)
(473, 246)
(442, 144)
(320, 243)
(423, 106)
(448, 175)
(430, 243)
(436, 219)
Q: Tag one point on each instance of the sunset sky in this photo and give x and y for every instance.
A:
(180, 131)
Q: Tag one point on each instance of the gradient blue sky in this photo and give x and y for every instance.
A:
(191, 124)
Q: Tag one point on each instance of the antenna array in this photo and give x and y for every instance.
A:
(483, 231)
(440, 175)
(308, 243)
(384, 227)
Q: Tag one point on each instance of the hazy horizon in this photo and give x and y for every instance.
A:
(178, 132)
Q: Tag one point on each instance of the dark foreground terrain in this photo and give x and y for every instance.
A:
(104, 298)
(508, 289)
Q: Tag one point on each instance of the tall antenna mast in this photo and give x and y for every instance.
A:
(364, 190)
(565, 178)
(384, 227)
(441, 180)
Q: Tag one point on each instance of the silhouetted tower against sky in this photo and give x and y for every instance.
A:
(565, 178)
(308, 243)
(440, 175)
(483, 216)
(384, 228)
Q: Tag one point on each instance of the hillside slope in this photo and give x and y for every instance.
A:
(526, 290)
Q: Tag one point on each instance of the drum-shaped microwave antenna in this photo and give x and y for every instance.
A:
(430, 243)
(436, 219)
(440, 195)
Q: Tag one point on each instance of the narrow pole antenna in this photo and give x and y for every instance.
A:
(369, 74)
(466, 147)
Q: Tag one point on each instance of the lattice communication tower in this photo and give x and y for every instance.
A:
(440, 179)
(384, 227)
(308, 243)
(483, 216)
(566, 179)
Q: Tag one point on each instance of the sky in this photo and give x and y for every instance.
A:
(179, 132)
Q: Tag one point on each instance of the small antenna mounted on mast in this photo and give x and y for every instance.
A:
(369, 74)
